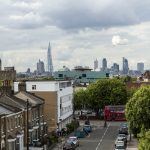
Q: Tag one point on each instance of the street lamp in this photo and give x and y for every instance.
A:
(105, 122)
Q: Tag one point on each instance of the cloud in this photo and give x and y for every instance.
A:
(73, 15)
(117, 40)
(79, 31)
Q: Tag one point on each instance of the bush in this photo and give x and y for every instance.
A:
(72, 126)
(53, 138)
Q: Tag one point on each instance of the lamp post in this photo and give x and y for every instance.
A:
(27, 122)
(105, 122)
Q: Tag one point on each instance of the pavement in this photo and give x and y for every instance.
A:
(100, 138)
(133, 144)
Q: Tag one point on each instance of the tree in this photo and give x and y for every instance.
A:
(138, 110)
(80, 99)
(107, 92)
(144, 142)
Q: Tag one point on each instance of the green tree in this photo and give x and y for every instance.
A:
(138, 110)
(144, 142)
(130, 92)
(107, 92)
(80, 99)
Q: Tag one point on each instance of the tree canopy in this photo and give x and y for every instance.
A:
(138, 110)
(107, 92)
(144, 142)
(101, 93)
(80, 99)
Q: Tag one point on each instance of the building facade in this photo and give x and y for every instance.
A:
(95, 64)
(12, 128)
(9, 75)
(104, 64)
(58, 96)
(0, 64)
(115, 69)
(125, 66)
(81, 75)
(140, 67)
(40, 67)
(37, 128)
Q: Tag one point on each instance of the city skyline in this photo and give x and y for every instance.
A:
(108, 32)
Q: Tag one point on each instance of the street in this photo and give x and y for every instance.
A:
(100, 138)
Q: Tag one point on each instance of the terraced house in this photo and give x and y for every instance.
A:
(36, 125)
(11, 128)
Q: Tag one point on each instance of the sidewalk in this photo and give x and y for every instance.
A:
(133, 144)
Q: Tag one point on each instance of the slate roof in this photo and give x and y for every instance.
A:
(10, 101)
(33, 100)
(4, 111)
(7, 109)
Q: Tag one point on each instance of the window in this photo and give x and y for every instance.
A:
(33, 87)
(83, 75)
(17, 144)
(107, 74)
(60, 75)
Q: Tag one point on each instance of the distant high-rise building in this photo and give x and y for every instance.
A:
(28, 71)
(140, 67)
(49, 60)
(125, 66)
(95, 64)
(40, 67)
(104, 64)
(116, 67)
(0, 64)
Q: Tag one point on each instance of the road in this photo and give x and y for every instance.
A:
(101, 138)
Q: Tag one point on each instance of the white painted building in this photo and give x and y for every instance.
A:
(58, 96)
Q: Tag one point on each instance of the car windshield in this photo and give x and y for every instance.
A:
(121, 135)
(119, 139)
(69, 141)
(119, 147)
(72, 139)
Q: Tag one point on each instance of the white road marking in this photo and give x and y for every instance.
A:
(102, 138)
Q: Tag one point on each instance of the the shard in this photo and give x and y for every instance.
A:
(49, 60)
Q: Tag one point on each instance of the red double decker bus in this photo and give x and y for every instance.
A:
(116, 113)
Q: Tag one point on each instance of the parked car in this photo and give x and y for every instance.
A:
(87, 122)
(69, 146)
(121, 139)
(87, 128)
(120, 145)
(71, 143)
(123, 130)
(123, 136)
(89, 112)
(79, 134)
(124, 125)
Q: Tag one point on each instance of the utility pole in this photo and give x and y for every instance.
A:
(27, 122)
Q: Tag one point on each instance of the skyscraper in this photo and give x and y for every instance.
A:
(116, 68)
(104, 64)
(40, 67)
(95, 64)
(140, 67)
(0, 64)
(49, 60)
(125, 66)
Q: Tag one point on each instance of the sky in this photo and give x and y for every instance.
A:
(79, 31)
